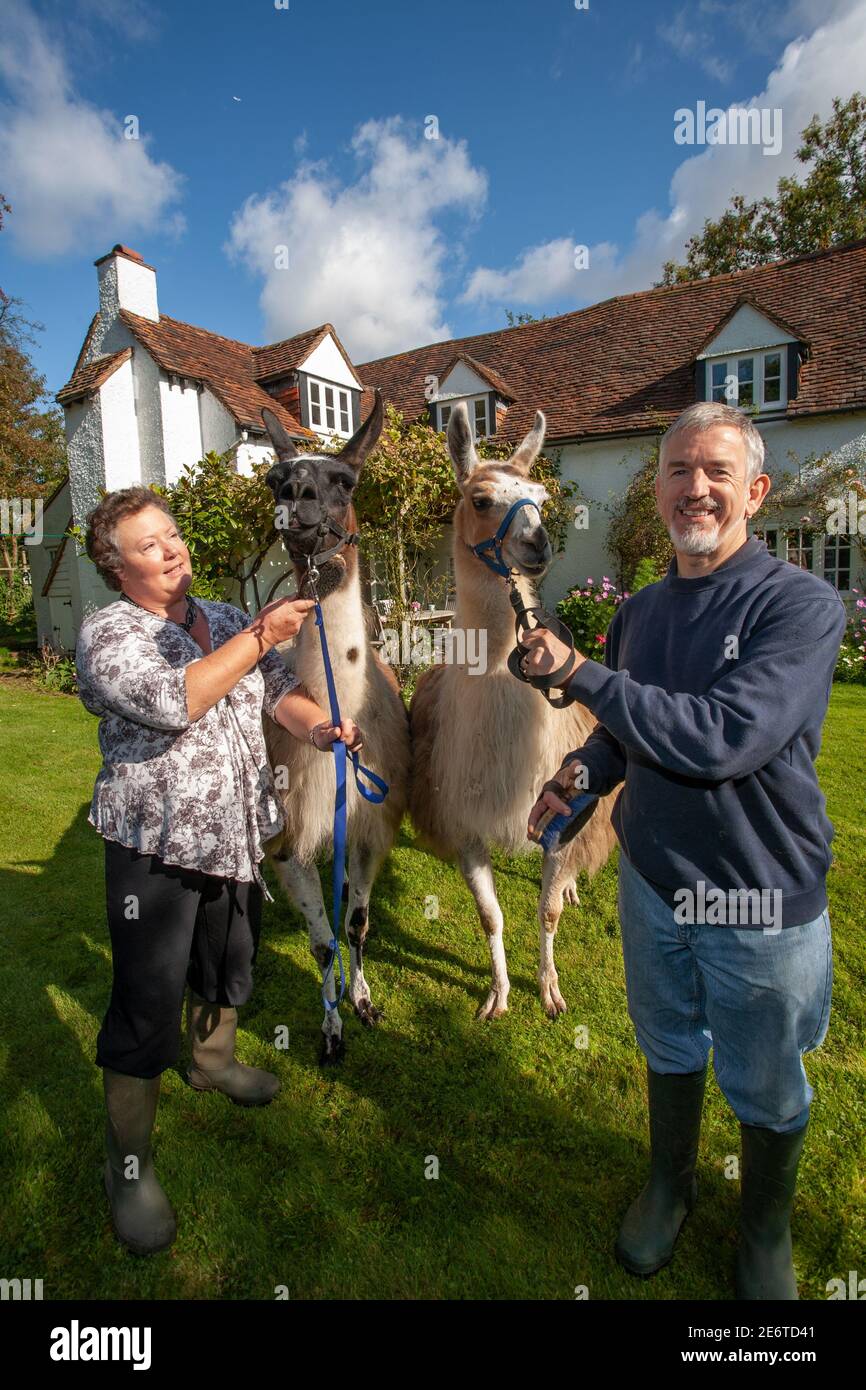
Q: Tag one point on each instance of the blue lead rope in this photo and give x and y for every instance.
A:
(339, 750)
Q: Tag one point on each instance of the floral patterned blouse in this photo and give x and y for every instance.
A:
(200, 793)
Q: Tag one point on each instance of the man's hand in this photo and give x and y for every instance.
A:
(552, 793)
(546, 654)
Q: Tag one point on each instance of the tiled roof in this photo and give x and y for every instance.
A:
(87, 379)
(486, 373)
(226, 366)
(606, 369)
(278, 358)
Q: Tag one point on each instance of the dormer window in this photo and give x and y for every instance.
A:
(748, 379)
(330, 408)
(478, 415)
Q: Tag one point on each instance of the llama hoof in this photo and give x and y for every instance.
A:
(332, 1050)
(569, 895)
(552, 1001)
(367, 1012)
(494, 1006)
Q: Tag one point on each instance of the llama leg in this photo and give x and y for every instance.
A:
(557, 883)
(363, 866)
(304, 890)
(478, 871)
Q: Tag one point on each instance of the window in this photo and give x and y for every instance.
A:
(825, 555)
(330, 409)
(837, 562)
(477, 407)
(748, 380)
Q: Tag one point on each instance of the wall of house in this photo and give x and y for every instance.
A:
(327, 361)
(120, 437)
(181, 426)
(218, 429)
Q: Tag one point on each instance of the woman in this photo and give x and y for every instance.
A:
(185, 800)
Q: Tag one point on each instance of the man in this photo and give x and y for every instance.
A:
(710, 706)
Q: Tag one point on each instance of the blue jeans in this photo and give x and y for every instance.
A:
(759, 999)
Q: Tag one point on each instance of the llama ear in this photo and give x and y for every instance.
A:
(364, 440)
(274, 479)
(283, 446)
(526, 453)
(461, 445)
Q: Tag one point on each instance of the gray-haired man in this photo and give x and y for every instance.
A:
(711, 701)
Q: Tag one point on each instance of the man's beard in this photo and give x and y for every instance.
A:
(695, 539)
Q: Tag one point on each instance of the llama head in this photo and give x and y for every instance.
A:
(488, 487)
(320, 486)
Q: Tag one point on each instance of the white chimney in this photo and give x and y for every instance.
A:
(125, 282)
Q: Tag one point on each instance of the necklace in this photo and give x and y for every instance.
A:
(191, 611)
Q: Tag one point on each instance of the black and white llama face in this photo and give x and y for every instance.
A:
(311, 488)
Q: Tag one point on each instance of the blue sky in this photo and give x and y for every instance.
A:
(304, 128)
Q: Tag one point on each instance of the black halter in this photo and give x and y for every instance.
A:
(320, 556)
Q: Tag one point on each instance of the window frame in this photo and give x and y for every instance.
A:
(822, 548)
(336, 408)
(473, 401)
(758, 356)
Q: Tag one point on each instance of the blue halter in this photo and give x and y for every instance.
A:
(494, 543)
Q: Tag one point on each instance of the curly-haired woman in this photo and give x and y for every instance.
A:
(185, 801)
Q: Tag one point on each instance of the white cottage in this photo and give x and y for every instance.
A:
(150, 394)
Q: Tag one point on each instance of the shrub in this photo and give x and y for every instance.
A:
(851, 662)
(588, 611)
(55, 672)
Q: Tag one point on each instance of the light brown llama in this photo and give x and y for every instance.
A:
(321, 485)
(484, 743)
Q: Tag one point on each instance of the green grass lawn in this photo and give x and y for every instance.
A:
(540, 1144)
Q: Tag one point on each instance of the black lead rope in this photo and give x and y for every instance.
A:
(542, 618)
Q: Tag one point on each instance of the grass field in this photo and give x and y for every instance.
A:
(540, 1144)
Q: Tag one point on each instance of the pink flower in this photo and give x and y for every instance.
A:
(601, 639)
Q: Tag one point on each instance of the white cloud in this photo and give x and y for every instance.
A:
(691, 41)
(830, 61)
(369, 255)
(69, 173)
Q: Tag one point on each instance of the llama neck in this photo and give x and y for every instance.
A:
(343, 617)
(483, 603)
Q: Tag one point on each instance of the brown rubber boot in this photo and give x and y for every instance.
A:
(212, 1029)
(141, 1213)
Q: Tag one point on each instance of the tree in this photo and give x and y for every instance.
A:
(827, 209)
(32, 446)
(515, 320)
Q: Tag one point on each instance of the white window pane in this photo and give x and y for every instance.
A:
(316, 414)
(480, 417)
(314, 391)
(444, 415)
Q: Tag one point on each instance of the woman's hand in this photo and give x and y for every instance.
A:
(284, 618)
(323, 735)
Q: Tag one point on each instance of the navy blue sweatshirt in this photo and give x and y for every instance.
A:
(717, 739)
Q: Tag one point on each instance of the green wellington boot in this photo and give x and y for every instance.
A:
(652, 1223)
(765, 1262)
(140, 1211)
(212, 1029)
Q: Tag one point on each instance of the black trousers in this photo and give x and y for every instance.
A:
(170, 927)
